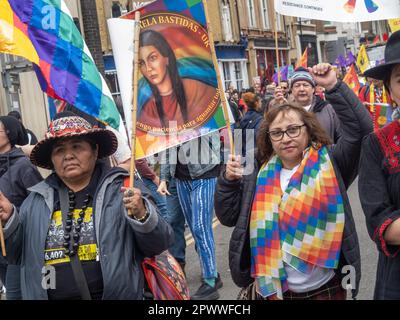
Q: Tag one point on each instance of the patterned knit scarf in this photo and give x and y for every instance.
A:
(302, 227)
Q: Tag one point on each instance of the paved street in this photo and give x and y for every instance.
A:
(230, 291)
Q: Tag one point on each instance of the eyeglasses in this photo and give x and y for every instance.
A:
(292, 132)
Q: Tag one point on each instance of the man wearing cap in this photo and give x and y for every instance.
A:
(302, 86)
(73, 234)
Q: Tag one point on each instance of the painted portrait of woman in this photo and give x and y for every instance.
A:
(175, 101)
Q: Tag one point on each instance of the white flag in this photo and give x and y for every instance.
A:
(340, 10)
(122, 35)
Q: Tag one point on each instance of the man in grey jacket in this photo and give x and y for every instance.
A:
(73, 235)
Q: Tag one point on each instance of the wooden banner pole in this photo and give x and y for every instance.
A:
(134, 101)
(3, 245)
(220, 86)
(277, 49)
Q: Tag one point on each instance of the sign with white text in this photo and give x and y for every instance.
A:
(340, 10)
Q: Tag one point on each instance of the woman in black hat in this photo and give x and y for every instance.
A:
(17, 174)
(379, 181)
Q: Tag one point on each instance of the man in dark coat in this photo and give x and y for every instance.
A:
(302, 86)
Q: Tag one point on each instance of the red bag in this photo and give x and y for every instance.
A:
(164, 275)
(165, 278)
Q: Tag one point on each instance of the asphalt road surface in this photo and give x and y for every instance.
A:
(230, 291)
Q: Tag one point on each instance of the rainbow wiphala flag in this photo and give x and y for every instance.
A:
(44, 32)
(381, 115)
(369, 4)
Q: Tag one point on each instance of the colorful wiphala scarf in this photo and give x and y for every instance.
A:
(302, 226)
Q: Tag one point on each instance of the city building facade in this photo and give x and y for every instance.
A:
(258, 20)
(244, 38)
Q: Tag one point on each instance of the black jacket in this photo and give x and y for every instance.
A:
(237, 116)
(233, 199)
(250, 121)
(379, 189)
(327, 117)
(17, 174)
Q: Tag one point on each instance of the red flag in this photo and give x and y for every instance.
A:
(376, 40)
(303, 62)
(351, 79)
(385, 37)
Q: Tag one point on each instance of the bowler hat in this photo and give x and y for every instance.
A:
(392, 57)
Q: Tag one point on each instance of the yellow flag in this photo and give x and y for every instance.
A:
(362, 59)
(394, 25)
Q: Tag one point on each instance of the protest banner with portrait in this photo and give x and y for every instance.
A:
(178, 96)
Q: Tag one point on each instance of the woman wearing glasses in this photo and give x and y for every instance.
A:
(294, 230)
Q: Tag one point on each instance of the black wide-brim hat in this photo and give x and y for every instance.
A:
(70, 127)
(392, 57)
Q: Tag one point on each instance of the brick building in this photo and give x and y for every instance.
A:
(244, 39)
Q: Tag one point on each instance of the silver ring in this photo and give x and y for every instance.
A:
(130, 193)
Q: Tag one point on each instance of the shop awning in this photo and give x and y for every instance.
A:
(230, 52)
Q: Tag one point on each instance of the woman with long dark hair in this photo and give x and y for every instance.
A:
(174, 98)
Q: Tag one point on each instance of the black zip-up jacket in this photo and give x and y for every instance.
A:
(250, 121)
(17, 174)
(233, 199)
(379, 190)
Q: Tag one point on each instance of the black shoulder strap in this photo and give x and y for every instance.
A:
(76, 265)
